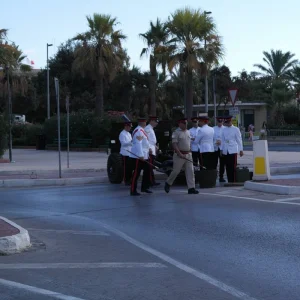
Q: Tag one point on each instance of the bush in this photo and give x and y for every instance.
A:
(83, 125)
(25, 134)
(3, 135)
(291, 114)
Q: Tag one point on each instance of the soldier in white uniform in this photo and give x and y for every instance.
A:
(205, 140)
(126, 144)
(182, 158)
(139, 157)
(231, 145)
(194, 146)
(217, 144)
(153, 122)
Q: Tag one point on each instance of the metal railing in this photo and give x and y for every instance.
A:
(272, 135)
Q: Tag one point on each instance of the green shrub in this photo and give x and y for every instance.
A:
(83, 125)
(3, 135)
(25, 134)
(99, 131)
(291, 114)
(32, 131)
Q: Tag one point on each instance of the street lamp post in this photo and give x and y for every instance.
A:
(9, 115)
(48, 93)
(206, 79)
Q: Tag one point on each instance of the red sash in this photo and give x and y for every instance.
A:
(142, 130)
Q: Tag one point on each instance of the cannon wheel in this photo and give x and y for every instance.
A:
(115, 168)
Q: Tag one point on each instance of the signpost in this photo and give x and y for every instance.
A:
(56, 81)
(233, 95)
(234, 111)
(68, 130)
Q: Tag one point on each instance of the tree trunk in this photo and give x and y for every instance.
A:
(152, 86)
(189, 95)
(99, 97)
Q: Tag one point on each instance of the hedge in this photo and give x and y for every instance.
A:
(83, 125)
(3, 135)
(25, 134)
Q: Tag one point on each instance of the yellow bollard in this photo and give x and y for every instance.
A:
(261, 165)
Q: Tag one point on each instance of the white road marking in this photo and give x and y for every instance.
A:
(238, 197)
(118, 265)
(36, 290)
(227, 191)
(248, 198)
(287, 199)
(222, 286)
(70, 231)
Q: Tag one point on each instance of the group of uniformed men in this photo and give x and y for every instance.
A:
(201, 145)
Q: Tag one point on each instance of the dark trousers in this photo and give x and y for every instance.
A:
(207, 160)
(220, 158)
(152, 178)
(138, 166)
(127, 169)
(196, 158)
(231, 161)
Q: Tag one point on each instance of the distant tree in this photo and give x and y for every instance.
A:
(278, 64)
(189, 29)
(156, 39)
(100, 54)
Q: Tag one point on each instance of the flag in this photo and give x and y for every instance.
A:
(32, 62)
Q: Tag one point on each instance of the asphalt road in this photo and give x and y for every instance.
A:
(97, 242)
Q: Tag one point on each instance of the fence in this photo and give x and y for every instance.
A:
(273, 135)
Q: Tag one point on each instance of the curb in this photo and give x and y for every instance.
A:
(284, 170)
(64, 171)
(9, 183)
(272, 188)
(15, 243)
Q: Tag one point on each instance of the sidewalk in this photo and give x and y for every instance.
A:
(35, 160)
(39, 168)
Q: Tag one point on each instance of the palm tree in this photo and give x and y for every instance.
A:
(100, 54)
(294, 76)
(278, 64)
(190, 29)
(156, 39)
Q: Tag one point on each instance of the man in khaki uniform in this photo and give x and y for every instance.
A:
(182, 158)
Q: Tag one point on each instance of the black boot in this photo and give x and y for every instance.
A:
(147, 191)
(167, 188)
(135, 193)
(222, 180)
(193, 191)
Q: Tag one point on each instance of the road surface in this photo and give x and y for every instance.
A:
(97, 242)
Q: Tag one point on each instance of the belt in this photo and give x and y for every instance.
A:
(185, 152)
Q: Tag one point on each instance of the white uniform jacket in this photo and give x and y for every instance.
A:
(217, 136)
(126, 142)
(140, 147)
(193, 133)
(151, 138)
(231, 140)
(205, 139)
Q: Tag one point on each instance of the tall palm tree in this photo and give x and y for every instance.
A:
(294, 76)
(190, 29)
(100, 54)
(278, 64)
(156, 39)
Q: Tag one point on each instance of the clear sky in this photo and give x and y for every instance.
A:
(248, 27)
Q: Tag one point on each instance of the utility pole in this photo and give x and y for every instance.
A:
(48, 92)
(206, 79)
(215, 98)
(56, 81)
(9, 115)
